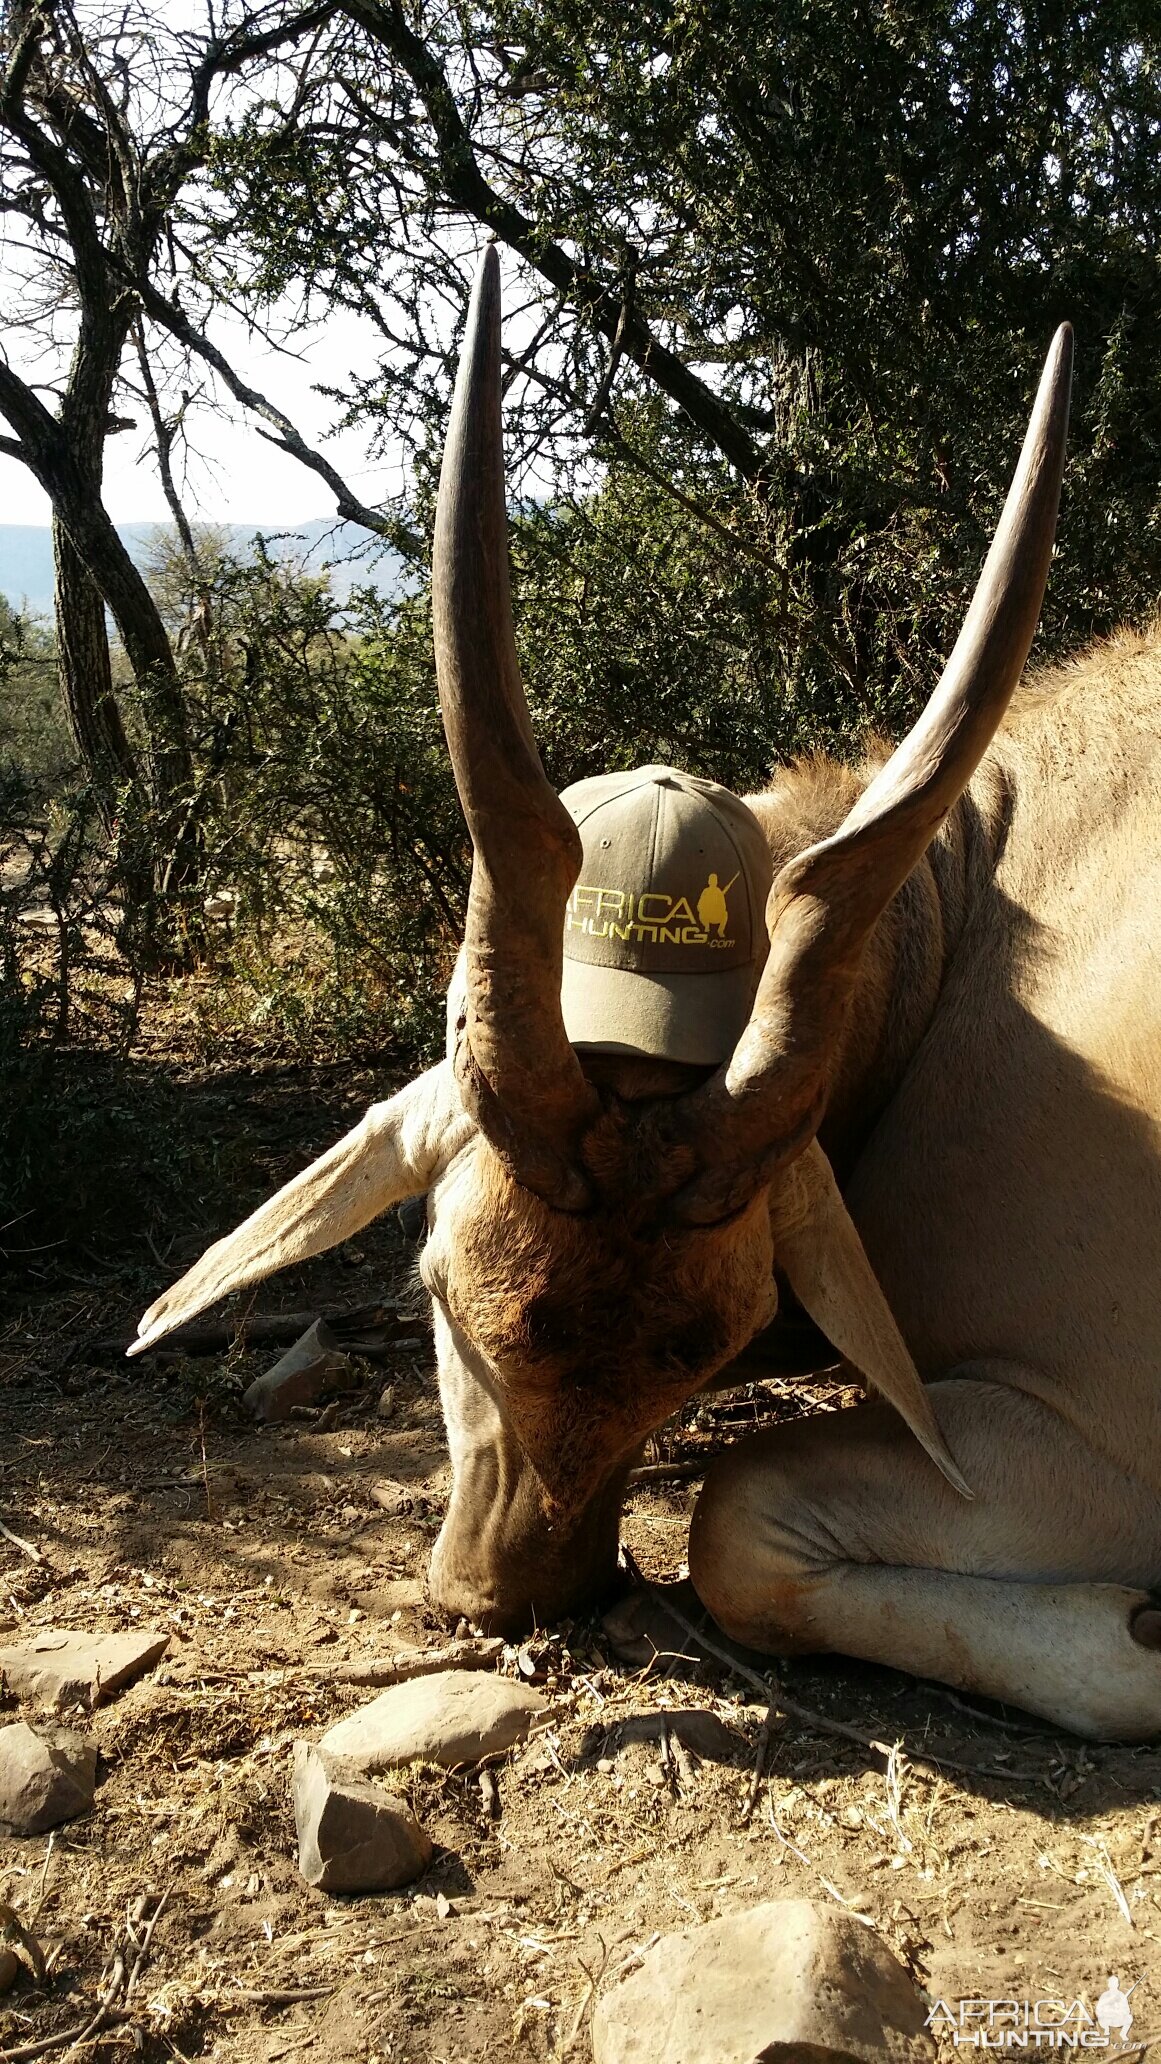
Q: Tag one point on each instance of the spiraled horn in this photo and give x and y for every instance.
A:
(763, 1107)
(518, 1075)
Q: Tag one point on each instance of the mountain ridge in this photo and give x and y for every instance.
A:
(26, 573)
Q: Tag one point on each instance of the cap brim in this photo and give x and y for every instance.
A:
(697, 1018)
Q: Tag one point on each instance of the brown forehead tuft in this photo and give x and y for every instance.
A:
(544, 1288)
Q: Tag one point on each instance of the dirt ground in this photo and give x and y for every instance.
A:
(1035, 1871)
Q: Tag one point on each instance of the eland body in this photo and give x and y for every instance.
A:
(940, 1129)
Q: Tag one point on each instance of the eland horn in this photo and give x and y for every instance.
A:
(519, 1077)
(763, 1107)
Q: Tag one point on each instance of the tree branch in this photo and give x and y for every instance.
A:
(163, 436)
(288, 439)
(464, 184)
(224, 56)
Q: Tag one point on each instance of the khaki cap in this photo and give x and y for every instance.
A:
(665, 931)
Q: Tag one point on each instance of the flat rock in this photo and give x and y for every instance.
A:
(46, 1775)
(694, 1727)
(640, 1629)
(309, 1370)
(788, 1982)
(58, 1668)
(451, 1717)
(352, 1836)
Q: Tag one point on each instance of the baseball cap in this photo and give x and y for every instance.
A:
(665, 932)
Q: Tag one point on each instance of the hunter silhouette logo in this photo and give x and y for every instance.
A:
(1113, 2010)
(712, 914)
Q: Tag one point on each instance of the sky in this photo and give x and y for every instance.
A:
(240, 477)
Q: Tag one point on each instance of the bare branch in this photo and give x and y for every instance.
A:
(285, 435)
(463, 183)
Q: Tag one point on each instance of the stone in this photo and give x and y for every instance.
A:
(46, 1776)
(10, 1969)
(309, 1370)
(640, 1629)
(352, 1837)
(451, 1717)
(59, 1668)
(398, 1500)
(693, 1726)
(787, 1981)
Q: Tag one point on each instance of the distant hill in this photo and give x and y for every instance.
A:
(26, 555)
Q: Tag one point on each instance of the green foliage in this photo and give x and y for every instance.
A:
(857, 228)
(647, 634)
(33, 734)
(334, 868)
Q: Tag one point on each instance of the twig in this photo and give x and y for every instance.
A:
(288, 1998)
(826, 1883)
(769, 1724)
(368, 1329)
(396, 1669)
(110, 2004)
(67, 2037)
(775, 1695)
(44, 1876)
(635, 1955)
(1029, 1732)
(146, 1939)
(25, 1547)
(1104, 1866)
(210, 1512)
(670, 1472)
(594, 1980)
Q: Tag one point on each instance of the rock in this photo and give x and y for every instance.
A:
(788, 1980)
(10, 1969)
(352, 1837)
(314, 1366)
(695, 1728)
(640, 1629)
(58, 1668)
(454, 1716)
(397, 1500)
(45, 1777)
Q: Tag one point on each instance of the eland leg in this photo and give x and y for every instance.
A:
(838, 1533)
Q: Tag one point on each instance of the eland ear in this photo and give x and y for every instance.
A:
(398, 1149)
(817, 1245)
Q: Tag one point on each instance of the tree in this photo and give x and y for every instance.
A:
(102, 127)
(816, 251)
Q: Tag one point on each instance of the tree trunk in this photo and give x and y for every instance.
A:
(86, 680)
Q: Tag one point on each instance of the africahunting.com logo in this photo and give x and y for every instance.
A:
(1039, 2024)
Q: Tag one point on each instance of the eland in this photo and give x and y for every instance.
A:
(934, 1127)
